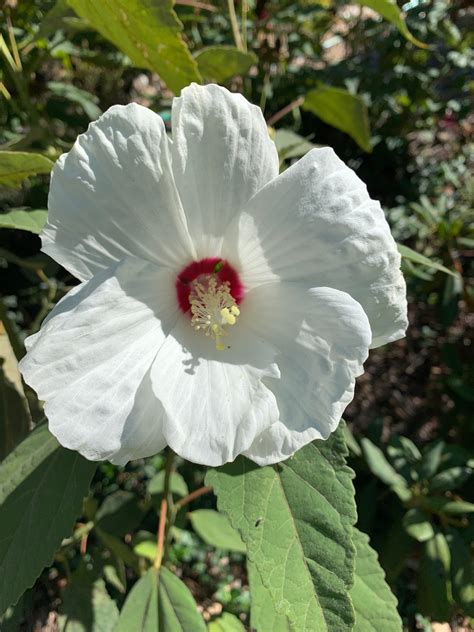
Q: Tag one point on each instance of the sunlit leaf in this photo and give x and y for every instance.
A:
(296, 519)
(20, 219)
(215, 529)
(417, 524)
(16, 166)
(219, 63)
(389, 10)
(416, 257)
(374, 604)
(148, 32)
(342, 110)
(226, 623)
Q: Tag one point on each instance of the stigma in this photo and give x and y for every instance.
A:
(213, 308)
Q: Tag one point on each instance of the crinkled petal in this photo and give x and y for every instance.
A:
(316, 224)
(215, 402)
(114, 195)
(90, 362)
(222, 155)
(322, 336)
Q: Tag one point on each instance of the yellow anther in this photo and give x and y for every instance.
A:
(213, 307)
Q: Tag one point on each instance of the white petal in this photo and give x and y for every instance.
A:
(90, 362)
(114, 194)
(222, 155)
(215, 402)
(323, 337)
(316, 224)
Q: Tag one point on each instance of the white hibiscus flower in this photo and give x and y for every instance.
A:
(223, 309)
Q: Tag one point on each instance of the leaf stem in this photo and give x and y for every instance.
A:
(235, 25)
(167, 514)
(192, 496)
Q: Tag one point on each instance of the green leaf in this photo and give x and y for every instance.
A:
(389, 10)
(215, 529)
(226, 623)
(431, 460)
(148, 32)
(434, 584)
(15, 166)
(220, 63)
(416, 257)
(14, 412)
(450, 479)
(380, 467)
(42, 486)
(178, 485)
(86, 605)
(374, 604)
(440, 505)
(291, 145)
(160, 602)
(296, 519)
(32, 221)
(86, 100)
(264, 617)
(146, 549)
(119, 514)
(417, 524)
(342, 110)
(462, 572)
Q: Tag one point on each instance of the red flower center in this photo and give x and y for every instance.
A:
(220, 268)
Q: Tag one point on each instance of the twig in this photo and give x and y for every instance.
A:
(192, 496)
(197, 5)
(235, 25)
(286, 110)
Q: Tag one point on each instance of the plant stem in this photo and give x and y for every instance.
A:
(192, 496)
(244, 24)
(235, 26)
(286, 110)
(167, 514)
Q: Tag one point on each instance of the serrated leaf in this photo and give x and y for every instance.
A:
(220, 63)
(417, 524)
(342, 110)
(86, 605)
(374, 604)
(389, 10)
(296, 519)
(416, 257)
(148, 32)
(160, 602)
(42, 486)
(20, 219)
(16, 166)
(226, 623)
(215, 529)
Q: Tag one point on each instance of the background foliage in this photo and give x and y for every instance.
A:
(390, 88)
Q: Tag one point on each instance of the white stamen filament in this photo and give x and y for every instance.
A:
(213, 308)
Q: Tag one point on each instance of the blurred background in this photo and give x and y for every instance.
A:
(390, 89)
